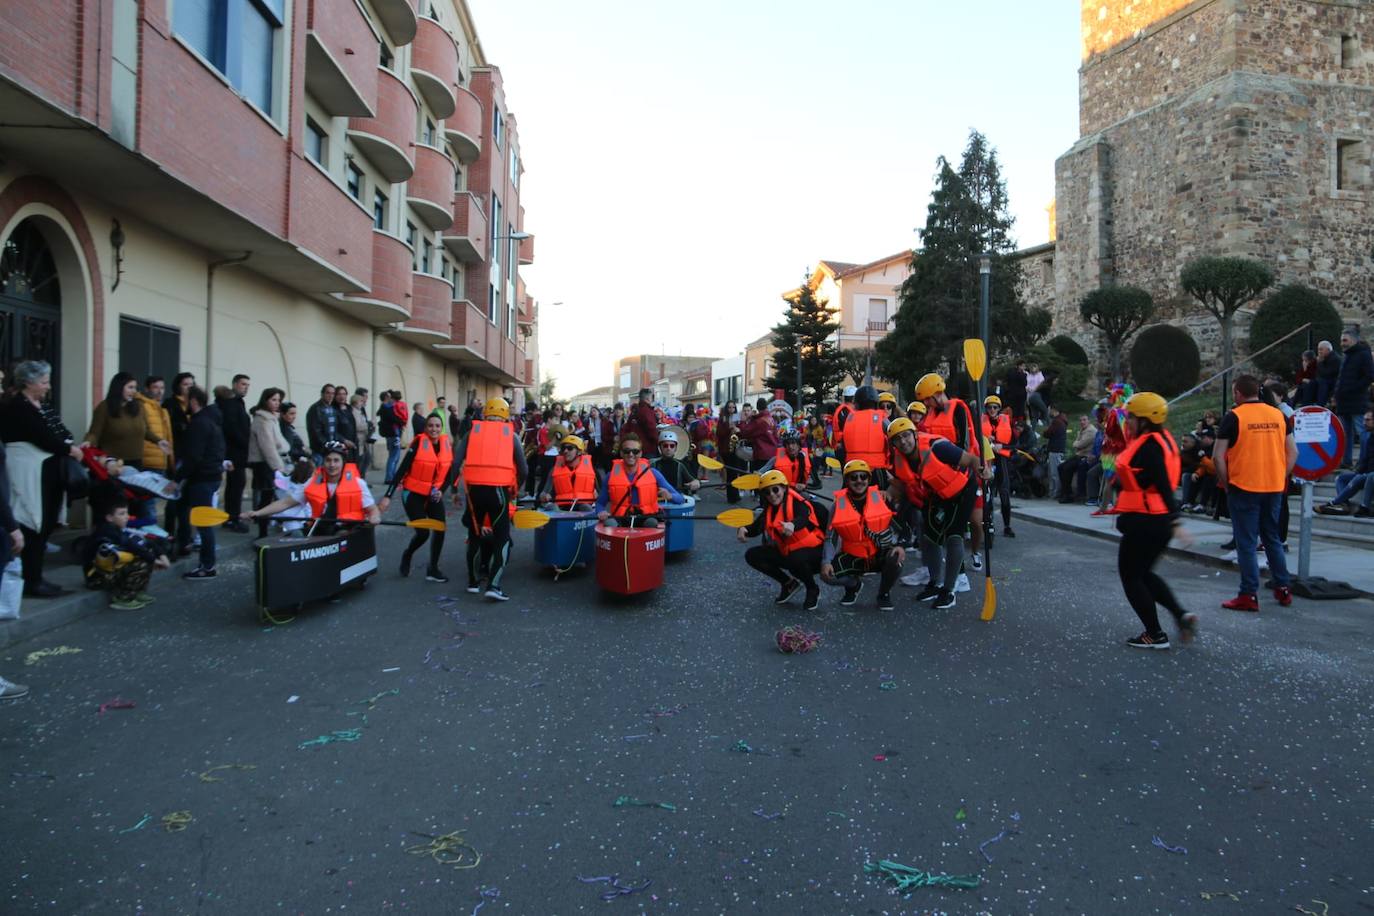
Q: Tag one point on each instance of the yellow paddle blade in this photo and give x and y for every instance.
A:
(206, 517)
(530, 518)
(832, 462)
(989, 601)
(709, 463)
(427, 524)
(975, 358)
(746, 482)
(735, 518)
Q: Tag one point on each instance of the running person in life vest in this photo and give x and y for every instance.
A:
(425, 472)
(574, 481)
(838, 420)
(865, 434)
(492, 461)
(335, 493)
(950, 418)
(1147, 473)
(946, 474)
(673, 468)
(633, 490)
(997, 431)
(862, 538)
(791, 552)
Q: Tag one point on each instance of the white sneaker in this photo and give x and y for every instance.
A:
(9, 690)
(976, 561)
(917, 579)
(961, 583)
(1229, 557)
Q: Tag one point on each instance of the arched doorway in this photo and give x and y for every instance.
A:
(30, 301)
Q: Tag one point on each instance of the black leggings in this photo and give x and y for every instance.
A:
(849, 569)
(1143, 539)
(1003, 484)
(803, 563)
(418, 505)
(487, 553)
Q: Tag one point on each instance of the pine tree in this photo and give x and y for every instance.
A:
(967, 216)
(807, 325)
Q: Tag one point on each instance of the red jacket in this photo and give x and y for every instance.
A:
(642, 419)
(762, 434)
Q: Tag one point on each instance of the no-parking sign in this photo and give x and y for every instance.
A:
(1321, 442)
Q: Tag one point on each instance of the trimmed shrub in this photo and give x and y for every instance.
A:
(1068, 349)
(1165, 360)
(1288, 309)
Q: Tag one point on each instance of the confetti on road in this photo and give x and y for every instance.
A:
(487, 894)
(796, 640)
(447, 849)
(907, 877)
(34, 658)
(206, 777)
(982, 847)
(116, 703)
(626, 800)
(759, 812)
(346, 734)
(616, 888)
(176, 821)
(1177, 850)
(139, 826)
(1325, 908)
(1218, 895)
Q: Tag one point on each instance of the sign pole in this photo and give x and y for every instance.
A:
(1321, 443)
(1305, 537)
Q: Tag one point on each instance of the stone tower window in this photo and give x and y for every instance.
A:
(1350, 52)
(1352, 165)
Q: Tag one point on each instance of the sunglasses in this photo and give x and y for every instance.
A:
(776, 488)
(629, 451)
(858, 476)
(570, 448)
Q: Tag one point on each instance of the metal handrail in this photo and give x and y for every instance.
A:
(1249, 359)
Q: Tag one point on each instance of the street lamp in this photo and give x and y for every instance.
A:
(514, 236)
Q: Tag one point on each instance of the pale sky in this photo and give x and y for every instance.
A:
(687, 162)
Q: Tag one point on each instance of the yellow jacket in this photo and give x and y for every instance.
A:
(160, 425)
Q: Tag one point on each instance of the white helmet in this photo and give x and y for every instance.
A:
(850, 391)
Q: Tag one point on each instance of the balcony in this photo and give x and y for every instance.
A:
(328, 225)
(387, 139)
(341, 60)
(467, 239)
(398, 18)
(430, 189)
(481, 348)
(431, 317)
(527, 250)
(464, 127)
(390, 297)
(434, 67)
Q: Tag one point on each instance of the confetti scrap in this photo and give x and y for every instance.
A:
(389, 670)
(888, 685)
(636, 737)
(34, 658)
(907, 877)
(625, 800)
(347, 734)
(837, 814)
(759, 812)
(373, 700)
(293, 698)
(1216, 895)
(796, 640)
(139, 826)
(487, 894)
(116, 703)
(880, 757)
(961, 814)
(616, 888)
(1326, 908)
(982, 847)
(1178, 850)
(206, 777)
(176, 821)
(742, 747)
(665, 711)
(447, 849)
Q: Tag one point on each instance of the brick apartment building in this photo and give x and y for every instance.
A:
(307, 192)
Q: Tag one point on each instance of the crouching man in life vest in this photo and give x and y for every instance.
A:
(492, 461)
(862, 538)
(573, 482)
(336, 493)
(633, 490)
(791, 552)
(426, 471)
(946, 476)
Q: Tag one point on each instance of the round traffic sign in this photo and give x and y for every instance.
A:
(1321, 442)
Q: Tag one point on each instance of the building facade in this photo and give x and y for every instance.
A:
(645, 370)
(305, 192)
(727, 382)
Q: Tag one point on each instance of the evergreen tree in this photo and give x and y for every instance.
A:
(967, 217)
(807, 326)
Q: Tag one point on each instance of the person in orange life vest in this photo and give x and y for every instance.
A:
(791, 554)
(1147, 473)
(997, 431)
(865, 434)
(336, 492)
(633, 490)
(1254, 457)
(426, 471)
(798, 467)
(916, 412)
(945, 472)
(574, 481)
(492, 461)
(838, 420)
(673, 469)
(950, 418)
(862, 538)
(887, 402)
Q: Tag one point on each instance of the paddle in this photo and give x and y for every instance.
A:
(709, 463)
(746, 482)
(976, 360)
(832, 462)
(525, 519)
(206, 517)
(731, 518)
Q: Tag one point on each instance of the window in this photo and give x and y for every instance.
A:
(426, 255)
(1047, 271)
(316, 142)
(385, 57)
(494, 275)
(514, 168)
(443, 266)
(877, 314)
(355, 181)
(457, 176)
(427, 135)
(498, 125)
(410, 240)
(236, 37)
(1350, 52)
(148, 349)
(1352, 165)
(378, 210)
(510, 281)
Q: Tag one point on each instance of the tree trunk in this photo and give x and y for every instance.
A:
(1226, 344)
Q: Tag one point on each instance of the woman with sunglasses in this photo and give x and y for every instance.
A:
(791, 552)
(426, 471)
(862, 538)
(633, 490)
(573, 482)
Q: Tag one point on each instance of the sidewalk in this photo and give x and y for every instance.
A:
(1335, 560)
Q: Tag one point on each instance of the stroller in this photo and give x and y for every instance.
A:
(136, 486)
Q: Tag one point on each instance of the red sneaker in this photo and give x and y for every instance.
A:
(1283, 595)
(1242, 602)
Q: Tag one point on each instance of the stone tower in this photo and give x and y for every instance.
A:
(1219, 127)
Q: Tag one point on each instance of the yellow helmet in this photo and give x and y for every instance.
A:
(929, 385)
(573, 440)
(899, 426)
(856, 464)
(1148, 406)
(774, 478)
(917, 407)
(887, 397)
(992, 399)
(496, 408)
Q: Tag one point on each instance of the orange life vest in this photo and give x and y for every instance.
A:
(942, 424)
(573, 484)
(939, 478)
(774, 517)
(1257, 461)
(429, 466)
(1133, 497)
(348, 495)
(618, 488)
(909, 478)
(838, 417)
(1000, 432)
(489, 458)
(797, 470)
(852, 527)
(865, 438)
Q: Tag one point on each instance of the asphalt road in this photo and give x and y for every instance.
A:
(521, 724)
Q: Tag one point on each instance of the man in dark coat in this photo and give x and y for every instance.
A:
(1352, 388)
(1328, 370)
(237, 431)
